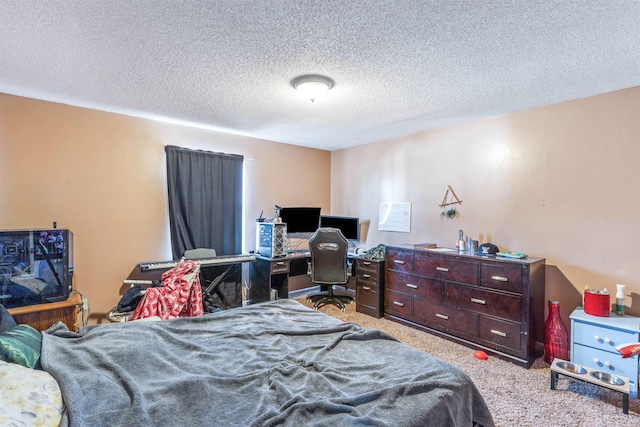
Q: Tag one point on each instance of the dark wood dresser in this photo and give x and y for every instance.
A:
(369, 286)
(484, 302)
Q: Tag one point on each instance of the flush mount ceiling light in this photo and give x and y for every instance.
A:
(312, 86)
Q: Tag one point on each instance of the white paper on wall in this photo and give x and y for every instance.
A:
(395, 216)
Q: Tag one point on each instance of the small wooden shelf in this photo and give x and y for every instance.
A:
(42, 316)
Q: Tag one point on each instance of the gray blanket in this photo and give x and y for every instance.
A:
(272, 364)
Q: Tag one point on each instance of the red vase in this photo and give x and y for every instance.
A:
(556, 338)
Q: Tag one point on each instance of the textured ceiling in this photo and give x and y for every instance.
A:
(400, 67)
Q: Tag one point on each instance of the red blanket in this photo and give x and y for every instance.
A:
(179, 296)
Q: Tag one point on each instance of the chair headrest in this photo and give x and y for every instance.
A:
(199, 253)
(328, 246)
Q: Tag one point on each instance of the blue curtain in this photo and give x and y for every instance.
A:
(205, 200)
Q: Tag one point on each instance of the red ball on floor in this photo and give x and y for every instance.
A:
(480, 355)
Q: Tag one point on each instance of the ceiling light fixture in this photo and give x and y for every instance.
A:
(312, 86)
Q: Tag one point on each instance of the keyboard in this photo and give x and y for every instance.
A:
(218, 260)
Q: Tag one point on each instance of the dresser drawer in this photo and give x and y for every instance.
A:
(446, 269)
(507, 277)
(482, 301)
(367, 277)
(398, 304)
(602, 338)
(605, 361)
(446, 318)
(500, 333)
(369, 300)
(369, 311)
(367, 295)
(427, 289)
(367, 266)
(399, 259)
(279, 267)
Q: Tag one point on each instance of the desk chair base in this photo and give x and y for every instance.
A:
(330, 298)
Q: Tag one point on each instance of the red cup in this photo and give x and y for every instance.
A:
(597, 304)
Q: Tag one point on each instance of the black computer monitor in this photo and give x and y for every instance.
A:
(350, 226)
(300, 220)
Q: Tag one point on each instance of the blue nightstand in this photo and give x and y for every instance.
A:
(594, 340)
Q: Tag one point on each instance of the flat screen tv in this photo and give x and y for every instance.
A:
(350, 226)
(300, 219)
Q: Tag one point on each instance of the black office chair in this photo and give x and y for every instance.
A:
(329, 266)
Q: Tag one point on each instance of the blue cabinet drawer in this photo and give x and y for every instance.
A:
(606, 361)
(594, 340)
(603, 338)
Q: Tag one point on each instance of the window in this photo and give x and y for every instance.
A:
(205, 200)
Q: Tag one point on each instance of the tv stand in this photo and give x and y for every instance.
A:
(43, 316)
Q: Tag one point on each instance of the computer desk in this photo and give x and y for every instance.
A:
(265, 274)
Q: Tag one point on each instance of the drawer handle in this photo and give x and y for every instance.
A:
(366, 276)
(446, 270)
(596, 360)
(607, 364)
(366, 288)
(442, 316)
(500, 278)
(597, 338)
(280, 263)
(412, 286)
(398, 303)
(499, 333)
(366, 262)
(397, 261)
(478, 301)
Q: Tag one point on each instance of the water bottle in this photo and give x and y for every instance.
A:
(620, 300)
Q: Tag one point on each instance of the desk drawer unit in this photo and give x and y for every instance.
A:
(594, 340)
(279, 267)
(268, 274)
(481, 301)
(369, 286)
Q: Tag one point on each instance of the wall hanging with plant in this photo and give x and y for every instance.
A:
(450, 199)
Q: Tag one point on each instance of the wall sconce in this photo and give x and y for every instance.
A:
(312, 86)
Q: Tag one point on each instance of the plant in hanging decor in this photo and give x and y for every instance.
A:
(450, 213)
(450, 198)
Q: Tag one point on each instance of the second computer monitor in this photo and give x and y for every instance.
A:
(300, 219)
(350, 226)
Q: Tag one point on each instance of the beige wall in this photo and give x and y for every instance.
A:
(103, 176)
(560, 182)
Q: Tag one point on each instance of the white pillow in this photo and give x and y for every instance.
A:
(29, 397)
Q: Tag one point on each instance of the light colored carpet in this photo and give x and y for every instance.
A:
(516, 396)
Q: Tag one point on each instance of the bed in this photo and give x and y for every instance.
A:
(270, 364)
